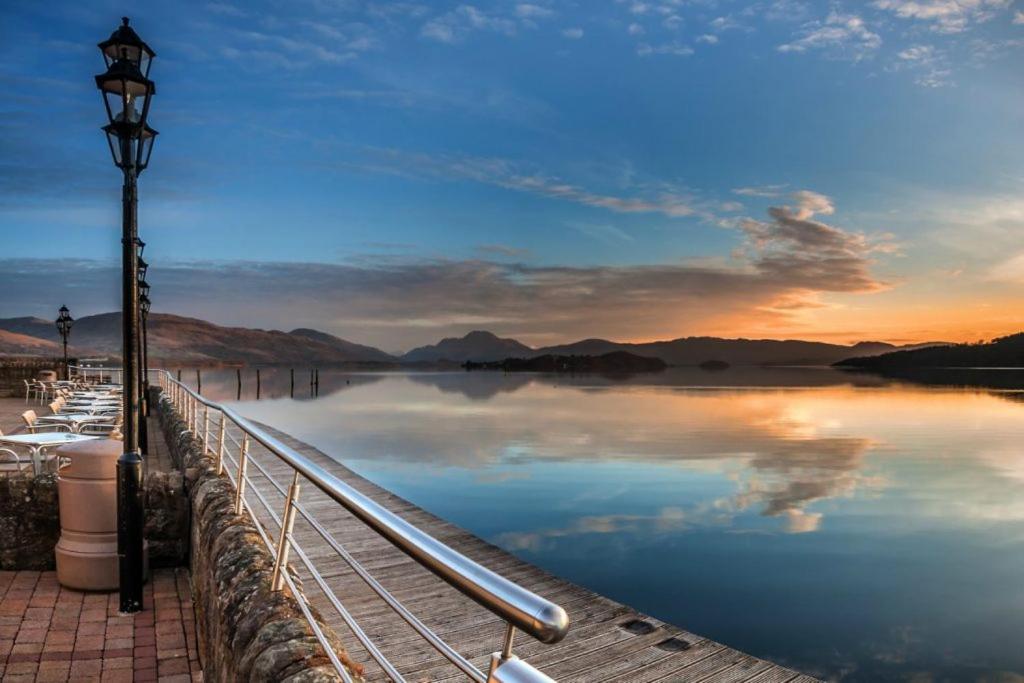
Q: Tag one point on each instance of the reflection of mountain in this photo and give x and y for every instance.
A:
(475, 386)
(982, 378)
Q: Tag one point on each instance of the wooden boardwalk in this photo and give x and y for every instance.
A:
(607, 641)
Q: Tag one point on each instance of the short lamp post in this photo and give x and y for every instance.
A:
(127, 93)
(64, 322)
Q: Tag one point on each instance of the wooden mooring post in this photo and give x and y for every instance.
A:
(238, 377)
(291, 390)
(199, 382)
(257, 384)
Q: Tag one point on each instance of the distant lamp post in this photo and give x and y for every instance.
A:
(64, 322)
(127, 92)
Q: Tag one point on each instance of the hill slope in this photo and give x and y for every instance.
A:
(1005, 352)
(15, 344)
(180, 339)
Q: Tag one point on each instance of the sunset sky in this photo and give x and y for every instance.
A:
(395, 172)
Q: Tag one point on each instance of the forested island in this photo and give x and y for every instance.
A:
(1004, 352)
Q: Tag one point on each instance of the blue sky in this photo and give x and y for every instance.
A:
(396, 172)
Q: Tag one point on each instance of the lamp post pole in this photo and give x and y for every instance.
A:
(124, 84)
(64, 322)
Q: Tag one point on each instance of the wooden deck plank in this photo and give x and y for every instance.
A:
(598, 647)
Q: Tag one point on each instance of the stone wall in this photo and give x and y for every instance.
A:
(30, 520)
(246, 630)
(29, 528)
(14, 370)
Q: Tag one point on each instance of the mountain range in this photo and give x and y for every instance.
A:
(177, 339)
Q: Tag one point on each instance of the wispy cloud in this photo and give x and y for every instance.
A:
(454, 26)
(674, 48)
(945, 16)
(838, 35)
(663, 198)
(928, 64)
(573, 33)
(760, 191)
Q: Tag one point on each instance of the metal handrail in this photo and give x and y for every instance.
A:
(518, 607)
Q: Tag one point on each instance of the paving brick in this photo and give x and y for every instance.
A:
(117, 662)
(117, 643)
(92, 628)
(14, 668)
(176, 678)
(55, 655)
(120, 631)
(49, 633)
(91, 667)
(93, 614)
(145, 675)
(40, 613)
(84, 642)
(26, 648)
(172, 666)
(31, 635)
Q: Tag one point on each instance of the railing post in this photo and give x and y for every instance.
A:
(220, 443)
(499, 658)
(283, 544)
(243, 467)
(206, 429)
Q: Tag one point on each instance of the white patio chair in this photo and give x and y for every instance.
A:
(11, 463)
(30, 418)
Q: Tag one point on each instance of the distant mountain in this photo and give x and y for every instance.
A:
(188, 340)
(482, 346)
(697, 350)
(14, 344)
(1005, 352)
(178, 339)
(31, 327)
(478, 346)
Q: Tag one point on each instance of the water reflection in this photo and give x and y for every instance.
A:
(850, 525)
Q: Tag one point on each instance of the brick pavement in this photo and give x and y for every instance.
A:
(49, 633)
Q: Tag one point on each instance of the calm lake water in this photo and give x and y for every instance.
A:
(849, 526)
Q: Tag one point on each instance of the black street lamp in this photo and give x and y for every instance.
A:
(127, 92)
(64, 322)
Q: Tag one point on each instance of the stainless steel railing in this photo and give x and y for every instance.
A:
(220, 428)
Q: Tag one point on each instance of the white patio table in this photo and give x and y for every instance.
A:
(40, 441)
(74, 420)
